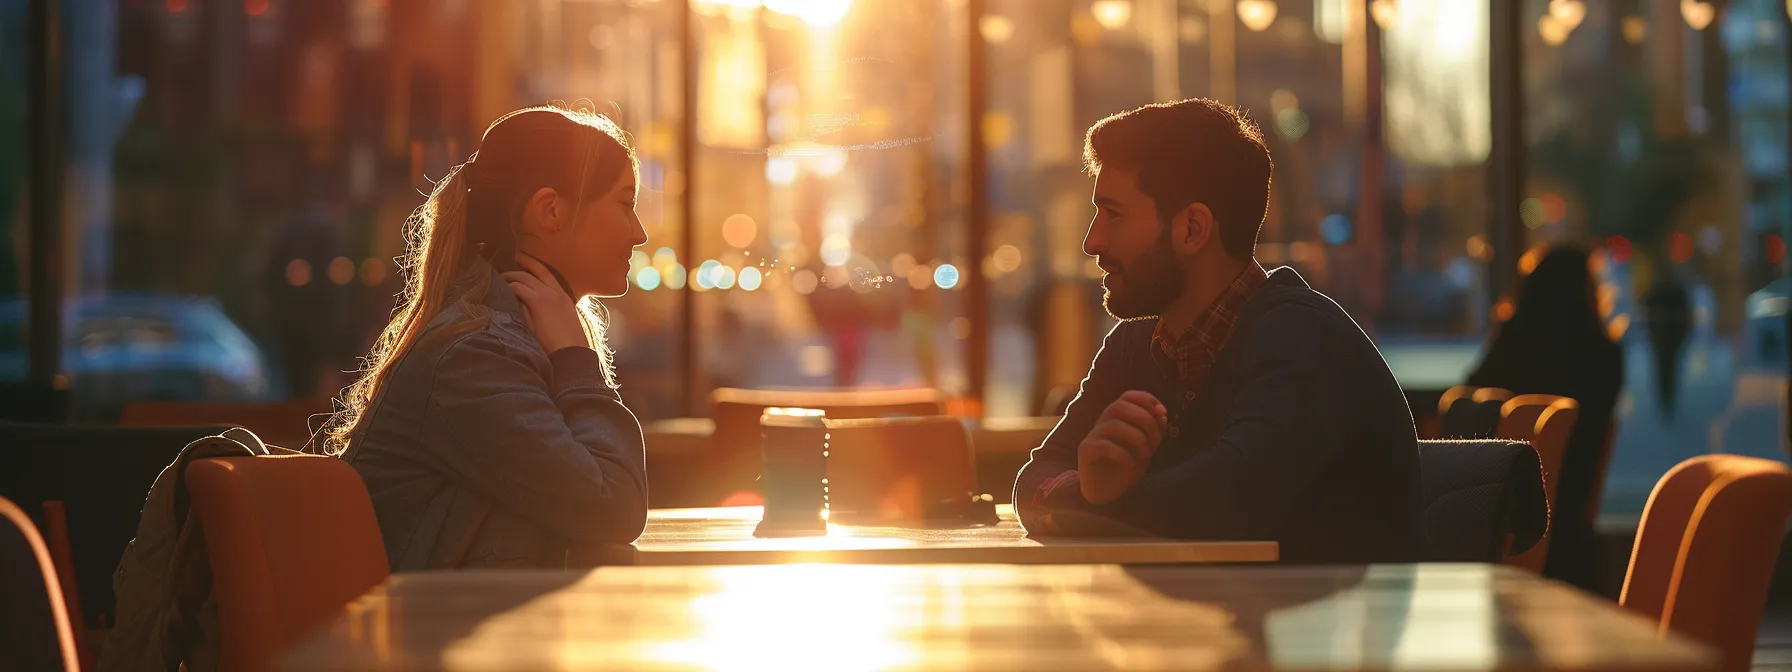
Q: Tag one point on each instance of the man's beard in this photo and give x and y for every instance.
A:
(1149, 284)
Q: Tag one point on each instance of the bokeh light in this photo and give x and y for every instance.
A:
(750, 278)
(724, 277)
(780, 170)
(1528, 261)
(901, 264)
(996, 29)
(1531, 211)
(1283, 99)
(920, 277)
(739, 230)
(835, 250)
(946, 276)
(341, 271)
(706, 274)
(1257, 15)
(1680, 247)
(1552, 30)
(1112, 14)
(1711, 240)
(1293, 123)
(1478, 248)
(1335, 229)
(298, 272)
(373, 272)
(804, 281)
(1554, 208)
(1006, 258)
(1619, 248)
(648, 278)
(1697, 13)
(1635, 28)
(1569, 12)
(1462, 272)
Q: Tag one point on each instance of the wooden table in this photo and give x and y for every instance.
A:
(724, 536)
(1013, 617)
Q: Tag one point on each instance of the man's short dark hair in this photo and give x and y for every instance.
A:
(1192, 151)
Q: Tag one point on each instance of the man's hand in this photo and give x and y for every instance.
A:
(1115, 453)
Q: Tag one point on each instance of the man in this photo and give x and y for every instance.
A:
(1229, 403)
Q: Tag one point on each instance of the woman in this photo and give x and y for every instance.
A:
(1556, 342)
(486, 422)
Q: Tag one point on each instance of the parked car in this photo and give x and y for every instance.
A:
(129, 346)
(1766, 340)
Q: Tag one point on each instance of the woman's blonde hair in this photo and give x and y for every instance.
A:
(471, 214)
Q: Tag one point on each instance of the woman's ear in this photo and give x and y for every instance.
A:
(543, 212)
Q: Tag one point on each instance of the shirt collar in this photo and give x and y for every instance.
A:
(1179, 351)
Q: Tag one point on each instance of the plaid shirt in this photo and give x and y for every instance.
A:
(1187, 356)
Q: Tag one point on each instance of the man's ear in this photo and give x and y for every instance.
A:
(1191, 229)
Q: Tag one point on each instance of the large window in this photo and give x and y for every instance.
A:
(828, 239)
(238, 170)
(1657, 133)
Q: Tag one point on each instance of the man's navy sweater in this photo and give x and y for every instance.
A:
(1300, 435)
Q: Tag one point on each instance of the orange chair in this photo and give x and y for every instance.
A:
(292, 540)
(62, 555)
(1706, 549)
(37, 634)
(1468, 412)
(282, 423)
(1545, 421)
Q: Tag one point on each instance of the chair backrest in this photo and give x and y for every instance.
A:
(1471, 412)
(736, 413)
(283, 423)
(35, 633)
(894, 469)
(1545, 421)
(102, 474)
(1706, 549)
(292, 540)
(1483, 499)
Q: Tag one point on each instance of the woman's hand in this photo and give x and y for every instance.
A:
(551, 314)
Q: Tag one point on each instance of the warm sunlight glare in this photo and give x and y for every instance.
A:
(1112, 14)
(801, 617)
(812, 12)
(1257, 15)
